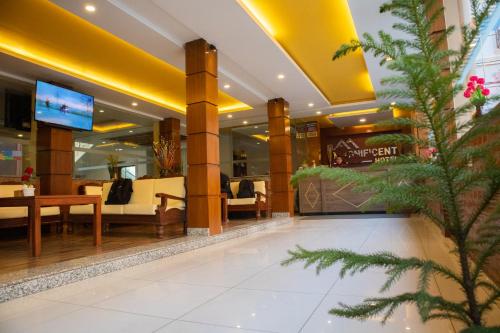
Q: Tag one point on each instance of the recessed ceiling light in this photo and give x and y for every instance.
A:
(362, 120)
(227, 86)
(245, 122)
(90, 8)
(103, 141)
(256, 127)
(310, 105)
(19, 135)
(131, 131)
(393, 103)
(258, 143)
(101, 111)
(319, 112)
(267, 131)
(134, 104)
(281, 76)
(230, 116)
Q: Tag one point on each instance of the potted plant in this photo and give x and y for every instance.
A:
(425, 83)
(165, 151)
(28, 187)
(113, 166)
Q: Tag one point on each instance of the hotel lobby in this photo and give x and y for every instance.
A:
(249, 166)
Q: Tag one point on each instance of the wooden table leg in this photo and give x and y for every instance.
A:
(35, 222)
(97, 224)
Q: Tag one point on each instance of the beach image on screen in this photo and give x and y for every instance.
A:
(63, 107)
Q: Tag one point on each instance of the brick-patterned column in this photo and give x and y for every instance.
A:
(280, 157)
(204, 208)
(170, 129)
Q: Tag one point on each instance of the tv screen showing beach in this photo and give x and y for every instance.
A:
(63, 107)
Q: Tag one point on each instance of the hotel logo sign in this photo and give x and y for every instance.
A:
(353, 150)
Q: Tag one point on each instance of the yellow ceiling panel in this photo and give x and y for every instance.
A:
(310, 31)
(43, 33)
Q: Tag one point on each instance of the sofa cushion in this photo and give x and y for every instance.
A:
(93, 190)
(235, 186)
(82, 210)
(17, 212)
(143, 192)
(7, 191)
(106, 187)
(241, 201)
(13, 212)
(172, 186)
(112, 209)
(260, 186)
(50, 211)
(139, 209)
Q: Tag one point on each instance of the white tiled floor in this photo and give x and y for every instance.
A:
(239, 286)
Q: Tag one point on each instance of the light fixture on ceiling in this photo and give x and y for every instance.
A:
(103, 142)
(388, 59)
(310, 105)
(256, 127)
(245, 122)
(267, 131)
(362, 120)
(101, 111)
(131, 131)
(134, 104)
(319, 112)
(227, 86)
(258, 143)
(90, 8)
(19, 135)
(281, 76)
(230, 116)
(393, 103)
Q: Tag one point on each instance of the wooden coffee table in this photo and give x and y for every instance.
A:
(34, 204)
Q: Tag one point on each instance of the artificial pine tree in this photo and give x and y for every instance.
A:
(425, 83)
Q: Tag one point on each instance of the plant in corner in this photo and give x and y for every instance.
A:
(425, 83)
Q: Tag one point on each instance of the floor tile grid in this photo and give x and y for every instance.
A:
(213, 298)
(228, 290)
(331, 287)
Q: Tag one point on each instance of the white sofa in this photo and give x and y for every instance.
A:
(257, 204)
(18, 216)
(154, 201)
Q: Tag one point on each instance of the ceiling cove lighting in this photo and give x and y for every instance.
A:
(353, 113)
(90, 8)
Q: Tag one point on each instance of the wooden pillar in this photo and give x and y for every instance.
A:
(204, 202)
(170, 129)
(54, 160)
(280, 157)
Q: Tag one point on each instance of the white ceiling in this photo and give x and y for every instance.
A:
(249, 60)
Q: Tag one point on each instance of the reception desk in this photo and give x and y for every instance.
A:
(326, 196)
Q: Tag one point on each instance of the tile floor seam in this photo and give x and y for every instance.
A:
(222, 293)
(331, 287)
(213, 325)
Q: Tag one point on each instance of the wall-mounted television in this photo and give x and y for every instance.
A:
(63, 107)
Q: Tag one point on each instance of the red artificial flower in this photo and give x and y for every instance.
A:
(470, 85)
(29, 170)
(480, 80)
(480, 86)
(473, 78)
(25, 178)
(467, 94)
(485, 92)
